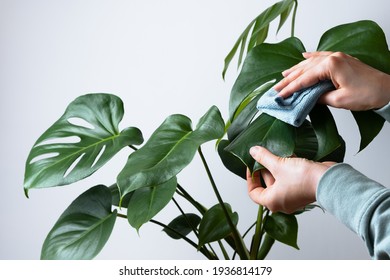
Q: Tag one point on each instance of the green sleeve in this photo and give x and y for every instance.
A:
(362, 204)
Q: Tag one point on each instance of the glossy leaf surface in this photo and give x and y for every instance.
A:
(264, 63)
(214, 225)
(326, 131)
(283, 228)
(182, 224)
(231, 162)
(266, 131)
(83, 229)
(171, 148)
(366, 41)
(79, 143)
(146, 202)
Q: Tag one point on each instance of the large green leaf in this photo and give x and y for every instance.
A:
(231, 162)
(246, 112)
(370, 124)
(146, 202)
(257, 30)
(326, 131)
(182, 224)
(214, 225)
(366, 41)
(79, 143)
(269, 132)
(83, 229)
(306, 143)
(263, 64)
(282, 227)
(171, 148)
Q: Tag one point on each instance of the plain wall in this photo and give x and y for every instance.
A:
(161, 57)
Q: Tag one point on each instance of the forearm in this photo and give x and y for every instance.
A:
(363, 205)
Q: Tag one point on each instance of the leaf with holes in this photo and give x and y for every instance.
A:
(79, 143)
(257, 30)
(83, 229)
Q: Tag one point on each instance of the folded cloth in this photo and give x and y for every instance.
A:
(295, 108)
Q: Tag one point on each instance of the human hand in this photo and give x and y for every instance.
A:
(291, 182)
(358, 86)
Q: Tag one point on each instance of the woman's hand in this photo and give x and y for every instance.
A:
(358, 86)
(291, 182)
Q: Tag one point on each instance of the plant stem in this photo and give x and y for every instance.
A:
(265, 247)
(189, 198)
(185, 217)
(258, 234)
(240, 245)
(293, 18)
(205, 252)
(225, 254)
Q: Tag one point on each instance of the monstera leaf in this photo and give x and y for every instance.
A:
(171, 148)
(266, 131)
(257, 30)
(263, 64)
(366, 41)
(79, 143)
(84, 227)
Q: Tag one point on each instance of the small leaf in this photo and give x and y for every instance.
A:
(182, 224)
(266, 131)
(171, 148)
(79, 143)
(83, 229)
(283, 228)
(214, 225)
(146, 202)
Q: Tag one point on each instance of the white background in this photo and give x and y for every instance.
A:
(161, 57)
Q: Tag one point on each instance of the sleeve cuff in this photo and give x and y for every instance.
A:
(384, 112)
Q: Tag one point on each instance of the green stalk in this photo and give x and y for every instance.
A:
(258, 234)
(293, 18)
(240, 245)
(265, 247)
(189, 198)
(205, 252)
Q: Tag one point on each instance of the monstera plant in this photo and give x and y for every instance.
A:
(87, 136)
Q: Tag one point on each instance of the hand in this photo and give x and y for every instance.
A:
(358, 86)
(291, 182)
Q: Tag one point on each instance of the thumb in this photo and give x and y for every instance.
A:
(264, 157)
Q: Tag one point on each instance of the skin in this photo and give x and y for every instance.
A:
(292, 182)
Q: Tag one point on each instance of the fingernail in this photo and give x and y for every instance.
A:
(253, 151)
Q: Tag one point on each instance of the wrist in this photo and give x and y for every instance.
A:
(384, 91)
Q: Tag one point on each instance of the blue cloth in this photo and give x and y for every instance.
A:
(295, 108)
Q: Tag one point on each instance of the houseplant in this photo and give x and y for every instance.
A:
(149, 175)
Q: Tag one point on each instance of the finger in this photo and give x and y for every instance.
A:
(302, 82)
(269, 180)
(253, 181)
(265, 158)
(319, 53)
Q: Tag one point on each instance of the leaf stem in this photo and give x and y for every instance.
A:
(258, 234)
(205, 252)
(293, 18)
(240, 245)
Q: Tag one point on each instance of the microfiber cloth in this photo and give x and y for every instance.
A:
(295, 108)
